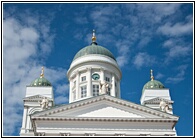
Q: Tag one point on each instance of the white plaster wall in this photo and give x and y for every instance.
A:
(43, 91)
(88, 65)
(105, 128)
(153, 93)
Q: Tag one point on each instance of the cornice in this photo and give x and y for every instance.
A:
(103, 97)
(111, 62)
(98, 119)
(157, 101)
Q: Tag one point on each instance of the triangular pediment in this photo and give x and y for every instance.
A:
(157, 100)
(36, 97)
(103, 106)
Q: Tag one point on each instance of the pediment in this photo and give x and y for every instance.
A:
(103, 106)
(157, 100)
(35, 98)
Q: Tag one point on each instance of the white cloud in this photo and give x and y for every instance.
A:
(62, 89)
(22, 42)
(177, 29)
(122, 60)
(81, 20)
(180, 76)
(143, 59)
(61, 99)
(177, 48)
(123, 52)
(133, 26)
(159, 76)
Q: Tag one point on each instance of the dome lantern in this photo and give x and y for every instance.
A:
(41, 81)
(153, 84)
(94, 38)
(94, 49)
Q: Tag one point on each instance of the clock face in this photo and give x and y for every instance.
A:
(95, 76)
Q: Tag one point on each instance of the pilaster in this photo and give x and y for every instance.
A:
(113, 90)
(77, 85)
(70, 90)
(89, 81)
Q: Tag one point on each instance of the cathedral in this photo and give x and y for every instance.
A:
(95, 106)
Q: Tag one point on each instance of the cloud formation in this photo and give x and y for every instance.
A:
(25, 45)
(143, 59)
(180, 75)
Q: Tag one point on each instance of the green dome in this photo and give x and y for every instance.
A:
(41, 81)
(153, 84)
(94, 49)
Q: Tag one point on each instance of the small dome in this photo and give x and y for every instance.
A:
(94, 49)
(153, 84)
(41, 81)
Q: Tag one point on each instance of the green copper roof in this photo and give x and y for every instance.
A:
(153, 84)
(94, 49)
(41, 81)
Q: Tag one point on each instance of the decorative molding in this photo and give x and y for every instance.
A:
(73, 65)
(108, 98)
(103, 119)
(157, 100)
(65, 134)
(119, 134)
(40, 134)
(36, 98)
(89, 134)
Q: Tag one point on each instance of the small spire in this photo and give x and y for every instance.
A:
(94, 38)
(152, 77)
(42, 73)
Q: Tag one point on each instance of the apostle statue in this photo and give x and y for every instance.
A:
(104, 87)
(44, 103)
(164, 106)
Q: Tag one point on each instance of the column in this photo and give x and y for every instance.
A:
(113, 89)
(24, 121)
(102, 75)
(77, 85)
(89, 82)
(119, 89)
(70, 90)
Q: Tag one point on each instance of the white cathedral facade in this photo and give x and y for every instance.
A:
(95, 106)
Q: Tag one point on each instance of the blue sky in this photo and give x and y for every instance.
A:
(142, 36)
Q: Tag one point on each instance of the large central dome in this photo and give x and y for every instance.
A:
(94, 49)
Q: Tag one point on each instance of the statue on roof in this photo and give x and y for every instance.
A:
(164, 106)
(104, 87)
(44, 103)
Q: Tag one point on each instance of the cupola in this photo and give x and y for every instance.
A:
(94, 49)
(41, 81)
(94, 71)
(153, 84)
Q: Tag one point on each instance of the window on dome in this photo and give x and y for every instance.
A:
(83, 78)
(108, 91)
(107, 79)
(116, 93)
(95, 90)
(74, 95)
(74, 84)
(83, 91)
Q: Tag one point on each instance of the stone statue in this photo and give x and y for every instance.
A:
(103, 88)
(44, 103)
(164, 106)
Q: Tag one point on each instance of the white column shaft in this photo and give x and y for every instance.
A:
(113, 89)
(70, 91)
(89, 80)
(119, 90)
(77, 86)
(24, 118)
(102, 75)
